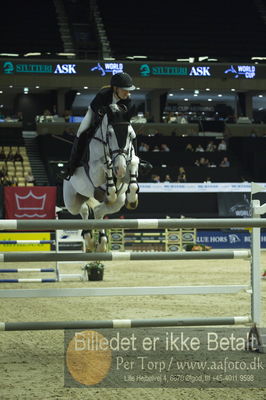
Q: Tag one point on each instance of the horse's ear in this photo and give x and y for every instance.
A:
(131, 112)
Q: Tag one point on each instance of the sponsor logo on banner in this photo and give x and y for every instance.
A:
(35, 202)
(113, 68)
(31, 204)
(245, 71)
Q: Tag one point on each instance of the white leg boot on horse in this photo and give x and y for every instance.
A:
(133, 187)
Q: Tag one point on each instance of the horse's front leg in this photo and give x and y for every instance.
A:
(133, 187)
(111, 195)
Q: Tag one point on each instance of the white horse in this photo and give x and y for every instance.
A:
(107, 179)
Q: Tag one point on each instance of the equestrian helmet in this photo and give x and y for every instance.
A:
(122, 80)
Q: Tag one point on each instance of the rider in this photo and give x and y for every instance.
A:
(117, 93)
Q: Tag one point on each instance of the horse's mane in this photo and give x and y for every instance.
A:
(119, 113)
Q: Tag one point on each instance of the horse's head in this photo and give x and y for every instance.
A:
(119, 137)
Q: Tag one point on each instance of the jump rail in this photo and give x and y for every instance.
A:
(123, 291)
(24, 280)
(51, 224)
(120, 323)
(14, 270)
(253, 255)
(124, 256)
(27, 241)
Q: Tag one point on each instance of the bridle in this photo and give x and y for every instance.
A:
(125, 152)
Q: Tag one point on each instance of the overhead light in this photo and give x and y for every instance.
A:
(85, 87)
(220, 95)
(60, 164)
(9, 54)
(209, 99)
(171, 94)
(260, 95)
(66, 54)
(37, 87)
(10, 86)
(109, 58)
(183, 59)
(182, 88)
(195, 94)
(203, 58)
(213, 59)
(196, 91)
(134, 57)
(186, 99)
(32, 54)
(207, 89)
(233, 90)
(191, 59)
(1, 91)
(258, 58)
(26, 90)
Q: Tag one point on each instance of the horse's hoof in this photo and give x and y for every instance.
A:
(131, 205)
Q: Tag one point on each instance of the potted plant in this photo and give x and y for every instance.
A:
(95, 271)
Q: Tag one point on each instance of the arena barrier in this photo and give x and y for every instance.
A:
(253, 255)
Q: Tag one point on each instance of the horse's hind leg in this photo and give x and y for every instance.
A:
(76, 204)
(102, 244)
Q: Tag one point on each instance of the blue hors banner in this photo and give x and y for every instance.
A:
(228, 239)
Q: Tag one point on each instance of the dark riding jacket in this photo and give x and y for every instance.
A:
(102, 99)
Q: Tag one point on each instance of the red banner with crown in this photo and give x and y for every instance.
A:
(34, 202)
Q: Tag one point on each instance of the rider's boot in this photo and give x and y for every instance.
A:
(78, 150)
(145, 167)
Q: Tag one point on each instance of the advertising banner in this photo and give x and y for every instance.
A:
(19, 236)
(37, 202)
(229, 239)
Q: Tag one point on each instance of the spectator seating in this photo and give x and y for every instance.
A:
(31, 27)
(15, 172)
(184, 31)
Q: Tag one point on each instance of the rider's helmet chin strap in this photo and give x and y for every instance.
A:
(116, 93)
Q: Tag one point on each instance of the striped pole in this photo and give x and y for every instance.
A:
(121, 323)
(27, 241)
(122, 291)
(20, 280)
(124, 256)
(15, 270)
(51, 224)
